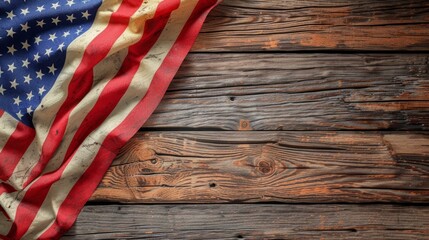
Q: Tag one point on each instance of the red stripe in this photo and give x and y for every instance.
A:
(79, 86)
(5, 188)
(86, 185)
(1, 112)
(14, 148)
(81, 81)
(116, 88)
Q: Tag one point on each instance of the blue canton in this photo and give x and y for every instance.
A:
(34, 36)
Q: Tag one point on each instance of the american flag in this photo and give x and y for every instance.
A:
(78, 78)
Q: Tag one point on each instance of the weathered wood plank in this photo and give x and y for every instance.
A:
(290, 25)
(313, 167)
(298, 92)
(251, 221)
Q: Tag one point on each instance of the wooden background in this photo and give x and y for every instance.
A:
(290, 119)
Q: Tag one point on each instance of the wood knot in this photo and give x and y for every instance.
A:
(145, 154)
(244, 125)
(265, 167)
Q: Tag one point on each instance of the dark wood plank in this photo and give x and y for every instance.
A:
(312, 167)
(290, 25)
(298, 92)
(251, 221)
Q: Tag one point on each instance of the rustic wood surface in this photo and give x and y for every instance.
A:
(291, 25)
(252, 221)
(300, 87)
(298, 92)
(313, 167)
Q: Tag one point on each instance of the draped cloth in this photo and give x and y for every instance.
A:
(78, 78)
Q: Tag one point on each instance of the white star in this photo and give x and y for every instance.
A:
(52, 69)
(66, 34)
(37, 40)
(16, 101)
(11, 67)
(2, 90)
(8, 1)
(25, 63)
(52, 37)
(13, 83)
(85, 14)
(29, 110)
(25, 27)
(40, 23)
(60, 47)
(10, 32)
(25, 45)
(48, 52)
(70, 3)
(30, 95)
(42, 90)
(39, 74)
(36, 57)
(56, 21)
(27, 79)
(24, 11)
(55, 5)
(70, 18)
(40, 8)
(1, 72)
(19, 114)
(11, 49)
(78, 31)
(10, 15)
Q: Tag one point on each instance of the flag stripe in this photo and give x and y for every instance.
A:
(55, 97)
(96, 110)
(7, 127)
(82, 80)
(14, 148)
(85, 186)
(101, 78)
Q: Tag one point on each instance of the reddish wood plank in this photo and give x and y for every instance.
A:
(313, 167)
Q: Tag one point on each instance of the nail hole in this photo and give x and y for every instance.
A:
(239, 236)
(153, 161)
(232, 99)
(212, 185)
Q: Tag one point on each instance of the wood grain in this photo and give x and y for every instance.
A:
(311, 167)
(251, 221)
(290, 25)
(298, 92)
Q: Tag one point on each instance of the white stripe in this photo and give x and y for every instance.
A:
(103, 73)
(53, 100)
(8, 125)
(88, 150)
